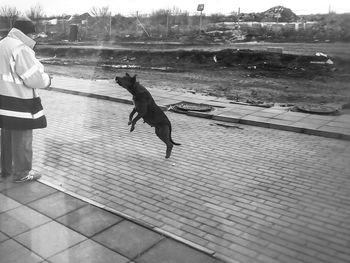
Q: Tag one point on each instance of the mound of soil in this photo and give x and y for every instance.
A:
(290, 64)
(243, 75)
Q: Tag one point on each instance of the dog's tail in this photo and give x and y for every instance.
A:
(175, 143)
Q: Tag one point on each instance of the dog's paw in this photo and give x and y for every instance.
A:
(129, 123)
(132, 128)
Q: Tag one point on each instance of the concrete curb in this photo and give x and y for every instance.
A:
(246, 121)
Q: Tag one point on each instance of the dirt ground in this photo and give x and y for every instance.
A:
(241, 78)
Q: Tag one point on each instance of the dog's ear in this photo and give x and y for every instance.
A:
(133, 79)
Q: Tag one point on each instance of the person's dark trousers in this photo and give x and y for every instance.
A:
(16, 152)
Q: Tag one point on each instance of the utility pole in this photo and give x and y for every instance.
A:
(167, 23)
(110, 26)
(238, 15)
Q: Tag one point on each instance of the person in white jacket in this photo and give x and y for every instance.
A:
(21, 111)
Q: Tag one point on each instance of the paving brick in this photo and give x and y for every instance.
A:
(282, 250)
(243, 250)
(253, 185)
(267, 259)
(195, 239)
(230, 255)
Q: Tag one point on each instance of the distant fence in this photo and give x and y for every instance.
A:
(274, 26)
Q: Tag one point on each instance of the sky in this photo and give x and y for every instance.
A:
(130, 7)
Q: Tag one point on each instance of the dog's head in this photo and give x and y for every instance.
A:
(127, 82)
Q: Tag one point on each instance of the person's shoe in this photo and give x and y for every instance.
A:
(32, 176)
(4, 175)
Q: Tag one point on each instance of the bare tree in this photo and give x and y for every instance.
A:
(94, 11)
(35, 12)
(100, 11)
(9, 14)
(179, 17)
(177, 11)
(103, 18)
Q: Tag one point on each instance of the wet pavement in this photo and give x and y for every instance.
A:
(232, 193)
(39, 223)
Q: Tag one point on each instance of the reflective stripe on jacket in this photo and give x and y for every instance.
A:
(20, 75)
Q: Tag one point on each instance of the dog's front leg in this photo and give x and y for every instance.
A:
(141, 112)
(133, 122)
(131, 115)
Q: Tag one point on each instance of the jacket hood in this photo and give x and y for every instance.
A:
(17, 34)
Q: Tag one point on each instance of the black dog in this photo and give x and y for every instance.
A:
(147, 109)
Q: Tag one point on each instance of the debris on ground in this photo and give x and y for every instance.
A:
(224, 32)
(346, 106)
(226, 125)
(322, 59)
(251, 102)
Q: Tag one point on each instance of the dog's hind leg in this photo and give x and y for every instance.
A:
(163, 133)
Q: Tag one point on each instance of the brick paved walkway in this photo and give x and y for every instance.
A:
(247, 193)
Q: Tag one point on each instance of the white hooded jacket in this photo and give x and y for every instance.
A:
(20, 75)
